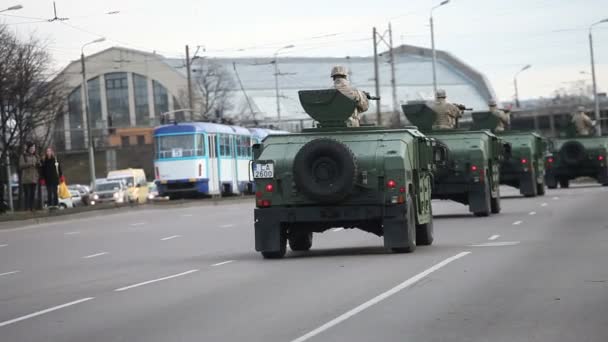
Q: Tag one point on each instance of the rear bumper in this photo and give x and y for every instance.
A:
(183, 186)
(571, 172)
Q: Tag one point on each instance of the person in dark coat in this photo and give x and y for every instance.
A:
(50, 176)
(29, 164)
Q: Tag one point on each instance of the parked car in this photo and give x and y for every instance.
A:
(87, 197)
(152, 191)
(111, 191)
(66, 203)
(76, 198)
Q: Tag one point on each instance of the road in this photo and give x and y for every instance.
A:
(536, 272)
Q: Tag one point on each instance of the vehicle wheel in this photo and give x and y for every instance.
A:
(495, 204)
(62, 206)
(301, 241)
(551, 182)
(410, 225)
(425, 232)
(487, 198)
(564, 183)
(281, 252)
(532, 187)
(540, 189)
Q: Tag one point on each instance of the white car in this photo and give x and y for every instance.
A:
(65, 203)
(111, 191)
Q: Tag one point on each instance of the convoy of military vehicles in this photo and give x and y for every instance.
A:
(382, 180)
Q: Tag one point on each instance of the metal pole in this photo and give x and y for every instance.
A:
(88, 118)
(377, 79)
(9, 187)
(434, 55)
(397, 119)
(189, 76)
(516, 92)
(276, 86)
(236, 72)
(595, 97)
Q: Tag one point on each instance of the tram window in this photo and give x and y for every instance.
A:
(225, 146)
(200, 145)
(243, 146)
(175, 146)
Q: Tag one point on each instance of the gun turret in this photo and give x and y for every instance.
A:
(329, 107)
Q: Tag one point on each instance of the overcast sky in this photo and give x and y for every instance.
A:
(495, 37)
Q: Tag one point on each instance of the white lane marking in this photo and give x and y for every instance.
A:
(544, 204)
(72, 233)
(413, 280)
(42, 312)
(532, 213)
(3, 245)
(187, 215)
(155, 281)
(7, 273)
(497, 244)
(517, 223)
(170, 237)
(555, 198)
(493, 237)
(337, 229)
(137, 224)
(227, 226)
(222, 263)
(94, 255)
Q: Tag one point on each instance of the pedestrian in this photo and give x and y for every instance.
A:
(29, 164)
(51, 175)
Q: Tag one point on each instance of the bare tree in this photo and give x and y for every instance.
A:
(215, 85)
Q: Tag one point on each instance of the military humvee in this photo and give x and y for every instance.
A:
(470, 173)
(576, 156)
(524, 166)
(371, 178)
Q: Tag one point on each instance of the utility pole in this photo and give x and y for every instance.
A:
(396, 116)
(377, 78)
(243, 90)
(276, 87)
(189, 76)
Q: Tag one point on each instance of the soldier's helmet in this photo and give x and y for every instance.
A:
(440, 94)
(492, 103)
(339, 70)
(581, 109)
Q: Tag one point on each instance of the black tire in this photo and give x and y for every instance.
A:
(532, 190)
(281, 252)
(410, 222)
(325, 170)
(425, 232)
(572, 153)
(300, 242)
(488, 199)
(540, 189)
(564, 183)
(495, 207)
(551, 182)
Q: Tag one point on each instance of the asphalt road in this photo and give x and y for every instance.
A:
(536, 272)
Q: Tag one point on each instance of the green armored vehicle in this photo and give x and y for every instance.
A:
(574, 156)
(524, 166)
(470, 174)
(333, 176)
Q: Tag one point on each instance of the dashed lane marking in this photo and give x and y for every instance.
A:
(72, 233)
(8, 273)
(544, 204)
(170, 237)
(45, 311)
(413, 280)
(222, 263)
(532, 213)
(3, 245)
(517, 223)
(94, 255)
(187, 215)
(227, 226)
(155, 280)
(493, 237)
(137, 224)
(337, 229)
(555, 198)
(497, 244)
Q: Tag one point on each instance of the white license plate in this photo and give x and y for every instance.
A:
(263, 170)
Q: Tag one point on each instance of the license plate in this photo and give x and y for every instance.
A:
(263, 170)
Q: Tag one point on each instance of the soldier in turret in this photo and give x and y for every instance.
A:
(447, 113)
(582, 122)
(504, 119)
(341, 83)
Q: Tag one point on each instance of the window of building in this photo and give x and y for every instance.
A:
(76, 121)
(141, 140)
(161, 98)
(225, 146)
(94, 92)
(142, 110)
(117, 93)
(124, 141)
(59, 132)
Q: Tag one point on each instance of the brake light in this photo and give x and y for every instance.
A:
(524, 161)
(263, 203)
(550, 160)
(473, 168)
(258, 194)
(269, 188)
(600, 158)
(391, 184)
(402, 189)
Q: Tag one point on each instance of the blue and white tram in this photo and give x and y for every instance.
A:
(202, 158)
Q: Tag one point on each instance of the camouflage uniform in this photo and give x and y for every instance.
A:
(447, 113)
(342, 84)
(582, 122)
(504, 119)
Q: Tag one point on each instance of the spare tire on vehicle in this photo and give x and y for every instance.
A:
(572, 152)
(325, 170)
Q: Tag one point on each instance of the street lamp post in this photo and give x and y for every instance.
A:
(445, 2)
(515, 84)
(276, 78)
(595, 97)
(85, 89)
(12, 8)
